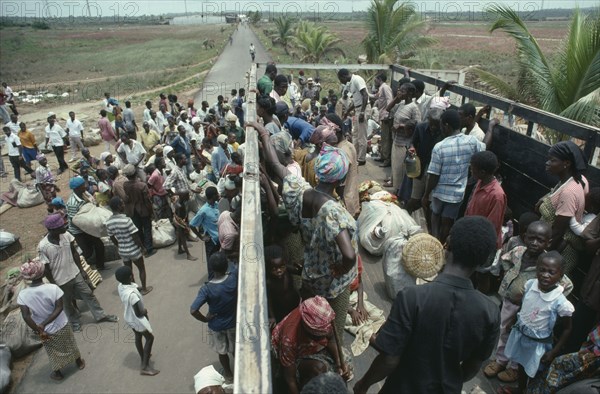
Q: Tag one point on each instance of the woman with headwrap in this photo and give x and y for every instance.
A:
(566, 200)
(328, 230)
(325, 133)
(42, 309)
(305, 346)
(44, 180)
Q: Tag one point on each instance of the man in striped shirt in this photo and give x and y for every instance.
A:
(88, 243)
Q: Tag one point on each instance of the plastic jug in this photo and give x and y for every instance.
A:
(412, 165)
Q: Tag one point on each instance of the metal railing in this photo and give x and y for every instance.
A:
(252, 351)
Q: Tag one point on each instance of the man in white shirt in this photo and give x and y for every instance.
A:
(183, 121)
(15, 153)
(153, 123)
(383, 97)
(54, 139)
(132, 152)
(360, 98)
(161, 118)
(147, 111)
(469, 126)
(106, 105)
(423, 100)
(14, 124)
(203, 112)
(196, 136)
(293, 90)
(10, 98)
(58, 252)
(75, 131)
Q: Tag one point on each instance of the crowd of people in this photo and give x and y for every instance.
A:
(436, 337)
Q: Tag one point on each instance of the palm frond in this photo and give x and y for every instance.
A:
(585, 110)
(498, 84)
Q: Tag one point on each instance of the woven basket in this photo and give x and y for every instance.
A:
(423, 256)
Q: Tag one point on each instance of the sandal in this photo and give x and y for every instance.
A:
(509, 375)
(388, 184)
(493, 369)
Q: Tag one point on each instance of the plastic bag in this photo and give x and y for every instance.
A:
(380, 220)
(29, 197)
(91, 220)
(7, 239)
(18, 336)
(394, 275)
(5, 358)
(163, 233)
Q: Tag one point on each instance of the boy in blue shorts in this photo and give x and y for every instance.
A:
(220, 293)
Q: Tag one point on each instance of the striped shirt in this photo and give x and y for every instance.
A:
(121, 227)
(450, 160)
(74, 204)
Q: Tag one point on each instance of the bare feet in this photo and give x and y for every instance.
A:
(191, 258)
(80, 363)
(56, 375)
(147, 290)
(149, 371)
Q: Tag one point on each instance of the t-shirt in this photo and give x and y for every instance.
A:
(299, 128)
(475, 132)
(121, 227)
(450, 159)
(489, 201)
(41, 301)
(155, 184)
(55, 135)
(128, 118)
(433, 328)
(13, 142)
(228, 231)
(130, 295)
(59, 257)
(207, 217)
(356, 84)
(149, 139)
(264, 85)
(221, 297)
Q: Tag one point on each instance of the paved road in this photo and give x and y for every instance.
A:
(230, 69)
(180, 348)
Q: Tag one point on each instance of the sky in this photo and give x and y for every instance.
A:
(123, 8)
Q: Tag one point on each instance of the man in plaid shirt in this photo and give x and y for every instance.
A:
(448, 173)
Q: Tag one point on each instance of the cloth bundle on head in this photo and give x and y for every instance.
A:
(282, 142)
(33, 269)
(440, 102)
(222, 138)
(104, 155)
(40, 156)
(322, 134)
(58, 202)
(230, 117)
(226, 107)
(306, 105)
(129, 170)
(76, 182)
(195, 120)
(50, 114)
(317, 315)
(54, 221)
(331, 164)
(167, 149)
(229, 184)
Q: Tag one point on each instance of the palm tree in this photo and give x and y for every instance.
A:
(569, 85)
(394, 31)
(284, 32)
(315, 42)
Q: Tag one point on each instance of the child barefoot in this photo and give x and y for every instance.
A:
(136, 316)
(124, 234)
(220, 293)
(519, 267)
(281, 294)
(180, 222)
(544, 305)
